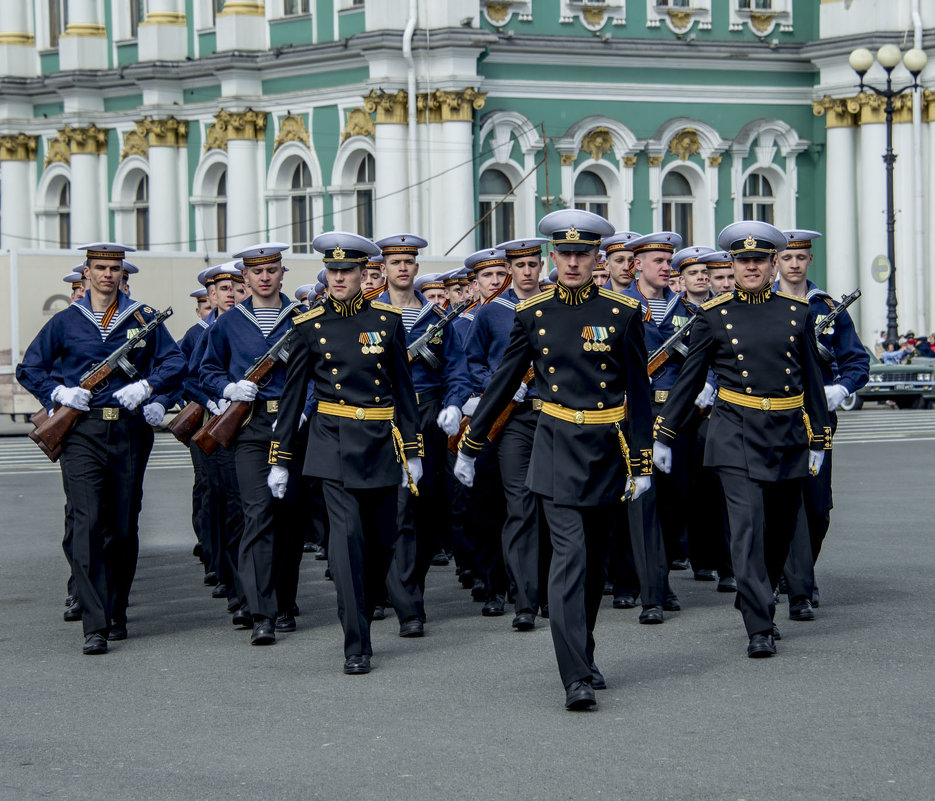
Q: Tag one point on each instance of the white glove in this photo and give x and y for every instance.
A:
(277, 480)
(243, 390)
(469, 406)
(153, 413)
(520, 394)
(464, 469)
(303, 419)
(222, 405)
(641, 484)
(835, 395)
(705, 397)
(449, 420)
(213, 407)
(415, 470)
(815, 459)
(662, 457)
(132, 395)
(76, 397)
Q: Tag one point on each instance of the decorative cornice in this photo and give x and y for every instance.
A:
(249, 125)
(18, 147)
(165, 18)
(292, 129)
(89, 141)
(835, 111)
(58, 150)
(594, 16)
(359, 123)
(685, 144)
(597, 143)
(497, 11)
(242, 8)
(135, 144)
(655, 161)
(629, 161)
(170, 132)
(24, 39)
(715, 161)
(680, 19)
(390, 108)
(863, 109)
(85, 29)
(456, 106)
(928, 105)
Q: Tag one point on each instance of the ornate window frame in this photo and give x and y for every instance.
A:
(594, 14)
(761, 22)
(47, 208)
(500, 12)
(123, 198)
(279, 191)
(204, 199)
(679, 16)
(343, 188)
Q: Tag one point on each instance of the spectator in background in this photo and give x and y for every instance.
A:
(879, 346)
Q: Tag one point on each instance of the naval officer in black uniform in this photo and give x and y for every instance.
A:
(362, 437)
(769, 424)
(586, 345)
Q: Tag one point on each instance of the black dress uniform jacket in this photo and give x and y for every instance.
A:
(587, 348)
(355, 352)
(761, 345)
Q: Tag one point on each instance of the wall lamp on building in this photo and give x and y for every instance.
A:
(888, 57)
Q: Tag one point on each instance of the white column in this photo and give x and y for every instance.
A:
(929, 133)
(242, 26)
(871, 227)
(87, 198)
(84, 43)
(453, 143)
(162, 36)
(165, 201)
(907, 279)
(244, 226)
(842, 270)
(17, 43)
(391, 176)
(16, 212)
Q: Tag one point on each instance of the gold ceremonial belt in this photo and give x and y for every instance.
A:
(661, 395)
(272, 406)
(588, 417)
(356, 412)
(766, 404)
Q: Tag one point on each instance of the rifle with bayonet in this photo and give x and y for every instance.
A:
(48, 435)
(825, 323)
(419, 349)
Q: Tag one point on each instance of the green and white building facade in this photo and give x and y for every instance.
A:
(201, 126)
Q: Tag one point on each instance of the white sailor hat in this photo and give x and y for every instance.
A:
(429, 281)
(453, 277)
(202, 276)
(374, 262)
(344, 251)
(322, 277)
(482, 259)
(320, 289)
(75, 277)
(105, 250)
(687, 256)
(517, 248)
(401, 243)
(716, 259)
(574, 229)
(553, 275)
(619, 241)
(666, 241)
(801, 238)
(226, 271)
(303, 291)
(265, 253)
(199, 293)
(751, 239)
(601, 256)
(129, 269)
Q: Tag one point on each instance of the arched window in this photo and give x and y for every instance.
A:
(64, 216)
(221, 212)
(141, 214)
(591, 193)
(497, 224)
(300, 202)
(678, 206)
(363, 196)
(758, 199)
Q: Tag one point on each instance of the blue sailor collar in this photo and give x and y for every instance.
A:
(427, 305)
(125, 308)
(246, 308)
(671, 298)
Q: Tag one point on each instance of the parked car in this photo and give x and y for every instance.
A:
(910, 385)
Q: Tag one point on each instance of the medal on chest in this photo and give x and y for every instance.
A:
(371, 342)
(594, 336)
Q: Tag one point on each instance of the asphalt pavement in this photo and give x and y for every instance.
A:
(185, 708)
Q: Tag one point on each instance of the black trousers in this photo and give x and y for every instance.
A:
(672, 491)
(638, 556)
(100, 464)
(201, 512)
(762, 521)
(520, 533)
(708, 531)
(486, 516)
(269, 523)
(226, 522)
(362, 528)
(576, 582)
(67, 538)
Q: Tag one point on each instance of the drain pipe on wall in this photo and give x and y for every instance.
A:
(918, 189)
(415, 207)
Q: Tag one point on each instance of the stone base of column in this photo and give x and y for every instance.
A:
(17, 59)
(83, 52)
(241, 26)
(159, 41)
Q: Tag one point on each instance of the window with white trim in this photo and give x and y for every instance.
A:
(678, 205)
(300, 204)
(141, 214)
(759, 200)
(497, 222)
(63, 213)
(220, 213)
(294, 8)
(363, 196)
(591, 193)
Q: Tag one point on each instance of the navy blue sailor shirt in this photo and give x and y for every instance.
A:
(656, 333)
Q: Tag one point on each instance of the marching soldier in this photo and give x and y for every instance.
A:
(362, 437)
(202, 307)
(620, 260)
(720, 272)
(586, 345)
(101, 453)
(373, 281)
(769, 425)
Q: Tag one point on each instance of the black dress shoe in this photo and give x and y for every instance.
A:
(320, 554)
(308, 547)
(777, 634)
(211, 578)
(263, 632)
(783, 586)
(233, 604)
(816, 599)
(294, 610)
(597, 678)
(328, 575)
(761, 646)
(727, 584)
(466, 578)
(220, 591)
(412, 628)
(379, 612)
(197, 550)
(651, 615)
(357, 665)
(680, 564)
(72, 612)
(544, 612)
(608, 588)
(285, 623)
(118, 631)
(579, 695)
(800, 608)
(705, 575)
(671, 603)
(440, 559)
(524, 621)
(478, 590)
(242, 617)
(494, 606)
(624, 602)
(94, 643)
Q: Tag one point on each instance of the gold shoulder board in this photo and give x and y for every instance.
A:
(545, 294)
(792, 297)
(309, 315)
(379, 304)
(710, 304)
(633, 303)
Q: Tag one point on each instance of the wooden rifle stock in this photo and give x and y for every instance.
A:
(454, 439)
(203, 439)
(187, 422)
(37, 420)
(498, 424)
(655, 364)
(227, 423)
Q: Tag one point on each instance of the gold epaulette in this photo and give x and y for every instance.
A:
(379, 304)
(545, 294)
(791, 297)
(633, 303)
(311, 314)
(710, 304)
